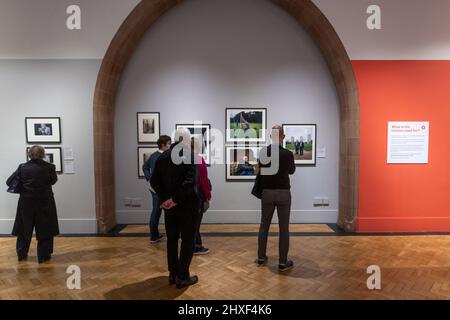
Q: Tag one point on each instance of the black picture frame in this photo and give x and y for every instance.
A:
(139, 164)
(227, 165)
(156, 134)
(259, 141)
(187, 125)
(313, 162)
(42, 141)
(58, 171)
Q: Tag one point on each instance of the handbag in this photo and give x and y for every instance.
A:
(257, 187)
(15, 182)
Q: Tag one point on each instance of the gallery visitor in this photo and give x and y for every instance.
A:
(164, 143)
(36, 207)
(204, 191)
(175, 181)
(276, 194)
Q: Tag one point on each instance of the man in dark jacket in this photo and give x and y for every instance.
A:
(36, 208)
(276, 194)
(148, 168)
(174, 180)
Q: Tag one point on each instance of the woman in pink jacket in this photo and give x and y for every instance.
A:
(204, 188)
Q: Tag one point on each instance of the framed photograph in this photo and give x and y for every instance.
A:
(143, 154)
(148, 127)
(203, 133)
(245, 125)
(241, 163)
(43, 130)
(53, 155)
(301, 140)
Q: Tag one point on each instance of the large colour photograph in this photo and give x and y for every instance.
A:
(246, 125)
(301, 141)
(242, 163)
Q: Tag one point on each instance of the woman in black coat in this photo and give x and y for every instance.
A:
(36, 207)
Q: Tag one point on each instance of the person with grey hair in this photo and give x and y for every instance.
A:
(36, 207)
(175, 179)
(276, 194)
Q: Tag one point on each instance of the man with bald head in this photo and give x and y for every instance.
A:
(175, 179)
(276, 194)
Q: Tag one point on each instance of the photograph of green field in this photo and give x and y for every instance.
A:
(246, 125)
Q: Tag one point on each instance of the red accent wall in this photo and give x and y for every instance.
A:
(404, 198)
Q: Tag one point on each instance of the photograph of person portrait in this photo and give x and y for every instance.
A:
(301, 139)
(43, 130)
(203, 133)
(246, 125)
(143, 154)
(148, 125)
(53, 155)
(242, 163)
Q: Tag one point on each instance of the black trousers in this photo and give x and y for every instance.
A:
(44, 246)
(198, 237)
(185, 226)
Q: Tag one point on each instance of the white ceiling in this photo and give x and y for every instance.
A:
(411, 29)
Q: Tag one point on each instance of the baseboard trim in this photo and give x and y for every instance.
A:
(403, 224)
(66, 226)
(235, 216)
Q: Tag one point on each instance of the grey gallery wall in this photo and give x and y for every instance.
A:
(205, 56)
(50, 88)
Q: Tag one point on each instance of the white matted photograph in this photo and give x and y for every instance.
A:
(202, 133)
(246, 125)
(53, 155)
(300, 139)
(148, 127)
(242, 163)
(144, 154)
(43, 130)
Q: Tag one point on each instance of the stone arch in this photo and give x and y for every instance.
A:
(125, 42)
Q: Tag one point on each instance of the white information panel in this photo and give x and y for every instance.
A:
(408, 142)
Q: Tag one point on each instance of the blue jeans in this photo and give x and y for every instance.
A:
(154, 217)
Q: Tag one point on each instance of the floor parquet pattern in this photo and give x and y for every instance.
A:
(413, 267)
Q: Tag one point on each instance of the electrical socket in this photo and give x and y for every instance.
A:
(136, 202)
(321, 202)
(127, 202)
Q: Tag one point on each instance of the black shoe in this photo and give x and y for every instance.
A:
(22, 257)
(261, 262)
(160, 238)
(201, 251)
(44, 259)
(285, 266)
(185, 283)
(172, 279)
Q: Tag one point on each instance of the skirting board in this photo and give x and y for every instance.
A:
(66, 226)
(235, 216)
(403, 224)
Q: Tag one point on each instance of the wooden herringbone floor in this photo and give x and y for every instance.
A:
(329, 267)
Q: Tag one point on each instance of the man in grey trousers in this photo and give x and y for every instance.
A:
(276, 193)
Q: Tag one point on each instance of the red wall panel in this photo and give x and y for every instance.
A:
(404, 198)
